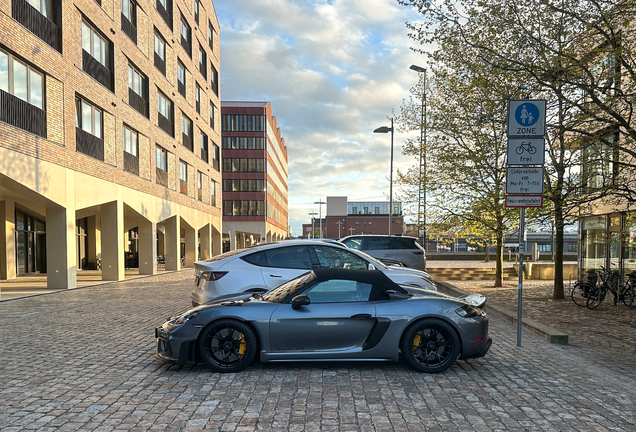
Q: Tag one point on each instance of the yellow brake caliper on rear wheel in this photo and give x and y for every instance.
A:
(242, 345)
(416, 340)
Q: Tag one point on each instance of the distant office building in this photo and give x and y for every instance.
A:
(109, 136)
(358, 217)
(254, 175)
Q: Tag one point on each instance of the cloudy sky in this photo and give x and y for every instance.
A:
(333, 70)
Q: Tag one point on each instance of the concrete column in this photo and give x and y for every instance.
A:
(147, 248)
(7, 232)
(173, 243)
(190, 246)
(61, 248)
(113, 262)
(205, 240)
(217, 242)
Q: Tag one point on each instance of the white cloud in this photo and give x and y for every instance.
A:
(334, 71)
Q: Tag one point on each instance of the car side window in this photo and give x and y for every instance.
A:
(339, 291)
(331, 257)
(293, 257)
(258, 259)
(354, 243)
(403, 243)
(378, 243)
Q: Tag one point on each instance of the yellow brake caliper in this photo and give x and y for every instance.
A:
(416, 340)
(243, 344)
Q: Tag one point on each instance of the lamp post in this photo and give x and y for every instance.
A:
(340, 222)
(320, 202)
(385, 129)
(421, 201)
(312, 214)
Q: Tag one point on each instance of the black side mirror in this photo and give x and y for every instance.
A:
(299, 301)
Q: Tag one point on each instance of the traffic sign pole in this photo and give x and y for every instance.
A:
(520, 290)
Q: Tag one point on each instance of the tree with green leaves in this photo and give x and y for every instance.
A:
(564, 51)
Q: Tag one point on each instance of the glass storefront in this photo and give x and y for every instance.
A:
(30, 244)
(609, 241)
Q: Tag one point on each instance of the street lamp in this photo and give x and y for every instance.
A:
(312, 214)
(320, 202)
(385, 129)
(421, 201)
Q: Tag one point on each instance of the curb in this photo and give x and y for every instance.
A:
(542, 331)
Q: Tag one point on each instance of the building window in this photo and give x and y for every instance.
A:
(129, 19)
(165, 114)
(216, 157)
(183, 177)
(573, 247)
(212, 115)
(131, 150)
(204, 146)
(89, 129)
(199, 185)
(21, 81)
(243, 165)
(186, 36)
(164, 7)
(196, 11)
(162, 166)
(181, 78)
(42, 17)
(203, 60)
(599, 165)
(593, 243)
(244, 185)
(243, 123)
(160, 53)
(137, 90)
(243, 208)
(96, 56)
(186, 132)
(22, 95)
(215, 80)
(211, 32)
(197, 98)
(213, 193)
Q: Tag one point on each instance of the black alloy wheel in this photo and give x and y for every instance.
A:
(430, 346)
(227, 345)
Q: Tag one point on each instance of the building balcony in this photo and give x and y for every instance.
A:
(89, 144)
(37, 23)
(97, 70)
(22, 114)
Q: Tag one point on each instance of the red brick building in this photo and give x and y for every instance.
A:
(254, 174)
(109, 136)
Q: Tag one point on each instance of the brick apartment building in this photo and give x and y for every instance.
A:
(254, 174)
(109, 136)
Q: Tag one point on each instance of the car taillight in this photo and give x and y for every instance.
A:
(212, 276)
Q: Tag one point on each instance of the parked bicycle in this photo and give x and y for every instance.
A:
(582, 290)
(610, 282)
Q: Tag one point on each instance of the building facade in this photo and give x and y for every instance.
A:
(346, 218)
(255, 201)
(109, 136)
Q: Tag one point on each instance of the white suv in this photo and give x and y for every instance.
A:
(389, 249)
(267, 266)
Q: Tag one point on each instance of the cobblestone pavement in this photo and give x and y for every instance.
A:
(82, 360)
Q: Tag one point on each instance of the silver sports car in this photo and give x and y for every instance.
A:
(329, 314)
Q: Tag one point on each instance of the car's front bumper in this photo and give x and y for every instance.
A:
(175, 348)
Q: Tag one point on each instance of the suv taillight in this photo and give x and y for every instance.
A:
(212, 276)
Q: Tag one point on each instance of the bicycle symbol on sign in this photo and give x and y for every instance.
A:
(526, 146)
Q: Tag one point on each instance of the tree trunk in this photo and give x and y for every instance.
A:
(499, 265)
(558, 256)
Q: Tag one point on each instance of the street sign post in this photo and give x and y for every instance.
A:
(524, 200)
(526, 118)
(526, 151)
(524, 180)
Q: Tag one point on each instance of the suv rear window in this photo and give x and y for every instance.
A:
(403, 243)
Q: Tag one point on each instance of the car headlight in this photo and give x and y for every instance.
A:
(185, 317)
(468, 311)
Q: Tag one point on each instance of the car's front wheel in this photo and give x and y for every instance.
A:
(227, 345)
(430, 346)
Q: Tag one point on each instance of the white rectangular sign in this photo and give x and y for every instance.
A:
(524, 181)
(526, 151)
(524, 200)
(526, 118)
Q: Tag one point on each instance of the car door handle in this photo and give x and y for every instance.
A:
(360, 316)
(275, 276)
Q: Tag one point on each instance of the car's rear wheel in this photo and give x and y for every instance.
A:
(430, 346)
(227, 345)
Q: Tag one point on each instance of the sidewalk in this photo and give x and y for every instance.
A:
(605, 333)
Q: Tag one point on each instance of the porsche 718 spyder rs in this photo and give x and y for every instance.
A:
(329, 314)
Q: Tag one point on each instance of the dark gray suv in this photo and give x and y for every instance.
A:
(405, 250)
